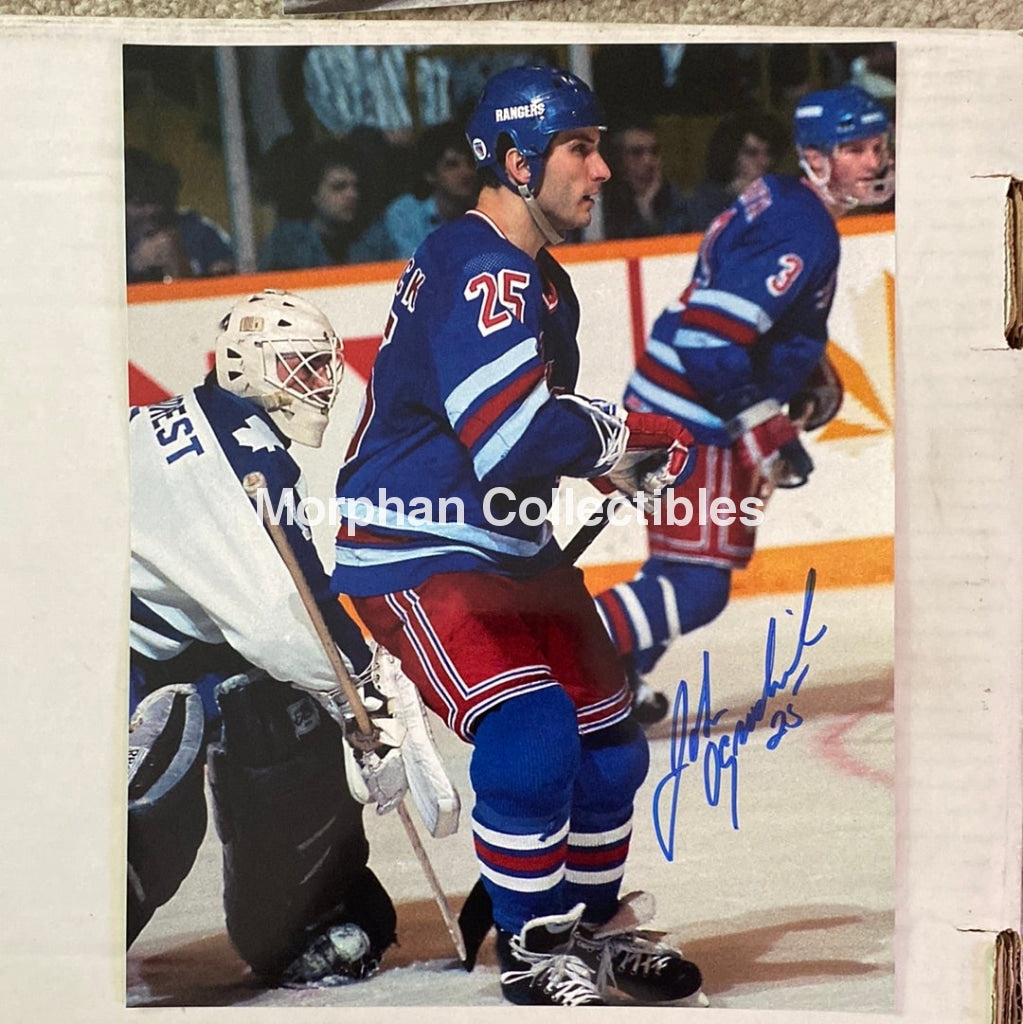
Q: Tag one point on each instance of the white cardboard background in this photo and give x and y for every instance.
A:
(65, 518)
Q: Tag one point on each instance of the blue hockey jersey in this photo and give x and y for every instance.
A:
(753, 320)
(466, 416)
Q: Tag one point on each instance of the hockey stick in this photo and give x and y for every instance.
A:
(366, 737)
(590, 530)
(777, 471)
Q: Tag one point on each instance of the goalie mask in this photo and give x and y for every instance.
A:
(831, 118)
(280, 351)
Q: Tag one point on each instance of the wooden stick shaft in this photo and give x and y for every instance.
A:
(590, 530)
(253, 484)
(438, 893)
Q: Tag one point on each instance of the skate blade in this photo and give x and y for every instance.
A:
(696, 999)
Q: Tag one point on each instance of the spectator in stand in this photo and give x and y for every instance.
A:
(638, 201)
(449, 184)
(163, 242)
(698, 79)
(388, 168)
(874, 71)
(327, 228)
(744, 147)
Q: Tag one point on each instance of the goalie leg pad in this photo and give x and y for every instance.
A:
(166, 803)
(295, 850)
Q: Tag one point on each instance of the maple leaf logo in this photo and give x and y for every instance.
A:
(257, 436)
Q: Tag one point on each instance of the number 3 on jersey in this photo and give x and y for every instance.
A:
(502, 298)
(789, 268)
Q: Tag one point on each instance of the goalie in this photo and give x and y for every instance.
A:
(222, 650)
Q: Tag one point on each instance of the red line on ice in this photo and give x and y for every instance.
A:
(831, 745)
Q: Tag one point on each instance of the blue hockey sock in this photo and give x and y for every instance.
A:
(523, 771)
(664, 601)
(614, 763)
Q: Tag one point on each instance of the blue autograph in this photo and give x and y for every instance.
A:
(721, 756)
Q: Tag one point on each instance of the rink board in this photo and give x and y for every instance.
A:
(842, 523)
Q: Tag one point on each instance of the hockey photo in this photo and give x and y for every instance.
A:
(512, 457)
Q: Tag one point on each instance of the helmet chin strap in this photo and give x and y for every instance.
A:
(547, 229)
(821, 182)
(882, 192)
(883, 187)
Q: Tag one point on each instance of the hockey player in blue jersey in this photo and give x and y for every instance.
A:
(211, 600)
(470, 414)
(741, 359)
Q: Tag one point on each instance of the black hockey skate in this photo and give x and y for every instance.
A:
(537, 968)
(337, 956)
(648, 706)
(635, 962)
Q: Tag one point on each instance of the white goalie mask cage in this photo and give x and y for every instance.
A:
(279, 351)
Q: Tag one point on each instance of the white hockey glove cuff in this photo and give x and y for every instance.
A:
(609, 422)
(767, 441)
(757, 415)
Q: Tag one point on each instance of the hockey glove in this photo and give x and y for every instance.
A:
(817, 402)
(767, 441)
(375, 776)
(658, 453)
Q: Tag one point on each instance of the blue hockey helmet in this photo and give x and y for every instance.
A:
(530, 105)
(826, 119)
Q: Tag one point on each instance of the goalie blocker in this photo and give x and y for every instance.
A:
(294, 848)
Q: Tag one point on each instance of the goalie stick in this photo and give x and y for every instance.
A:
(365, 738)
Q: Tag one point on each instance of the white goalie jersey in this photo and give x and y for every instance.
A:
(202, 565)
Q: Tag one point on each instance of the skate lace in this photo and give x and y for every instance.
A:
(627, 952)
(560, 974)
